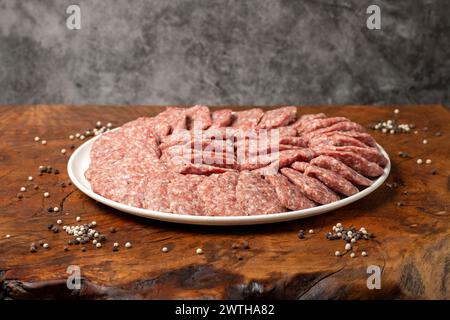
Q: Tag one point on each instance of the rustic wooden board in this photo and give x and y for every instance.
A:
(412, 244)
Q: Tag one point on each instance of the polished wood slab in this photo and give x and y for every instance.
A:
(412, 244)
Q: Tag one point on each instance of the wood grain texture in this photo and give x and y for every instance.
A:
(412, 244)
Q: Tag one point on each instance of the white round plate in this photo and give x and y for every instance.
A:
(79, 163)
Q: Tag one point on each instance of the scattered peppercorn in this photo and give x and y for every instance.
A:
(199, 251)
(83, 249)
(434, 172)
(165, 249)
(66, 248)
(19, 196)
(112, 230)
(364, 254)
(46, 246)
(128, 245)
(46, 194)
(404, 155)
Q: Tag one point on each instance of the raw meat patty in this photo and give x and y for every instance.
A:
(331, 180)
(316, 124)
(278, 118)
(198, 117)
(156, 194)
(247, 119)
(289, 195)
(354, 161)
(183, 195)
(312, 188)
(222, 118)
(371, 154)
(299, 123)
(340, 168)
(335, 139)
(218, 193)
(256, 196)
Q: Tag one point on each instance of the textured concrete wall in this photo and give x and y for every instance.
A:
(259, 52)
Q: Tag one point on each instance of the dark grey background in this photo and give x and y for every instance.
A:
(258, 52)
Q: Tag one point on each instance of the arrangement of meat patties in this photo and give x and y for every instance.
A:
(199, 161)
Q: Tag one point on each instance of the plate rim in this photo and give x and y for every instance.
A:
(219, 220)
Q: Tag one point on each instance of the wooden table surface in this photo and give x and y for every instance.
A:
(412, 244)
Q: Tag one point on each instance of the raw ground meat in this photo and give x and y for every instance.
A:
(312, 188)
(160, 164)
(289, 156)
(332, 180)
(289, 195)
(221, 118)
(316, 124)
(198, 117)
(202, 169)
(299, 123)
(247, 119)
(156, 194)
(124, 182)
(278, 118)
(340, 168)
(218, 194)
(286, 132)
(174, 117)
(361, 136)
(371, 154)
(300, 166)
(340, 126)
(354, 161)
(335, 139)
(183, 195)
(294, 141)
(256, 196)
